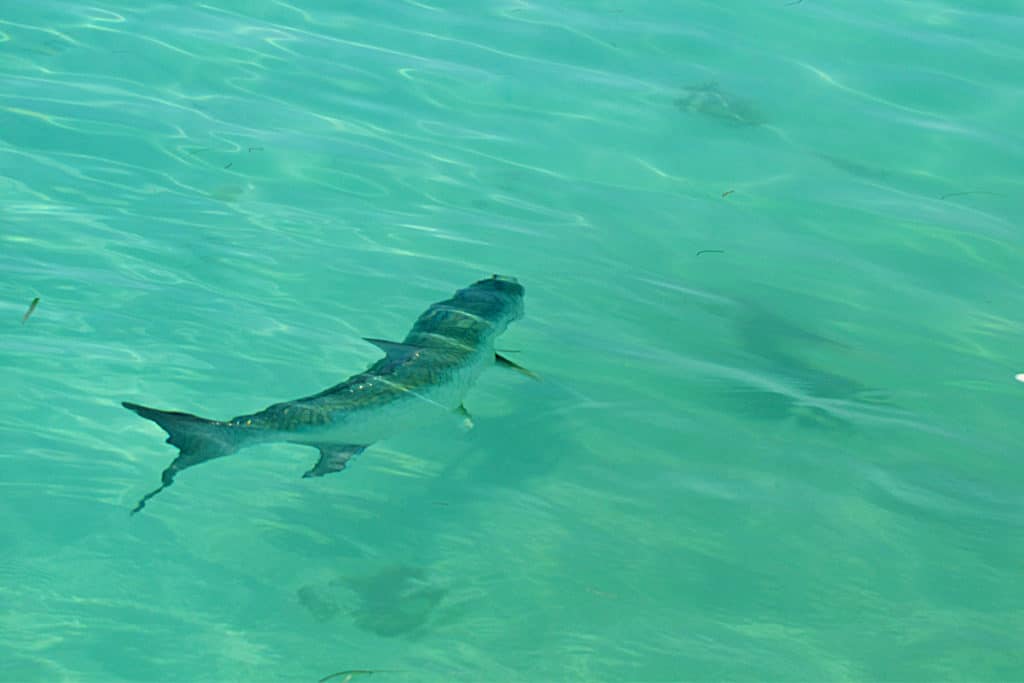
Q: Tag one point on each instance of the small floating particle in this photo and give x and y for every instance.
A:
(795, 2)
(727, 193)
(1019, 377)
(255, 149)
(710, 251)
(961, 194)
(229, 164)
(31, 309)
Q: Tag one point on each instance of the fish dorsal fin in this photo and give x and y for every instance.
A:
(394, 349)
(501, 360)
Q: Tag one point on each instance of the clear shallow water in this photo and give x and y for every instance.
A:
(798, 459)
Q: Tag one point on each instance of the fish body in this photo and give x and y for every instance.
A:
(421, 378)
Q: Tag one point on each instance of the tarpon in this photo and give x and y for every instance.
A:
(420, 378)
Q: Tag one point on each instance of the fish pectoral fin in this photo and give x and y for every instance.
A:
(501, 360)
(394, 349)
(333, 456)
(467, 419)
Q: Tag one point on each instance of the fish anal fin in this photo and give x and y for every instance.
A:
(501, 360)
(333, 456)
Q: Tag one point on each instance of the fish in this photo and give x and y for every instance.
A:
(421, 378)
(710, 100)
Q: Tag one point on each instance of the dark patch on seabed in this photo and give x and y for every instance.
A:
(395, 601)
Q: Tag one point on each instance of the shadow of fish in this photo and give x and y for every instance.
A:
(425, 375)
(319, 602)
(855, 168)
(710, 100)
(393, 601)
(808, 393)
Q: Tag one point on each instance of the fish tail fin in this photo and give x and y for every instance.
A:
(196, 438)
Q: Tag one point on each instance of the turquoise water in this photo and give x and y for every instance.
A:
(795, 457)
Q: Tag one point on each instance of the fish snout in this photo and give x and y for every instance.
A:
(506, 284)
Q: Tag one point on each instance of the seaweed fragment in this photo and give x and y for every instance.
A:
(31, 309)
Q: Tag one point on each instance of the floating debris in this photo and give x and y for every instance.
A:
(710, 100)
(255, 149)
(710, 251)
(727, 193)
(229, 164)
(31, 309)
(1019, 377)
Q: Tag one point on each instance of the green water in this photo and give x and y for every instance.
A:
(796, 457)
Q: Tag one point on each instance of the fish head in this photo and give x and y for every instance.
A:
(496, 302)
(504, 284)
(506, 290)
(474, 316)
